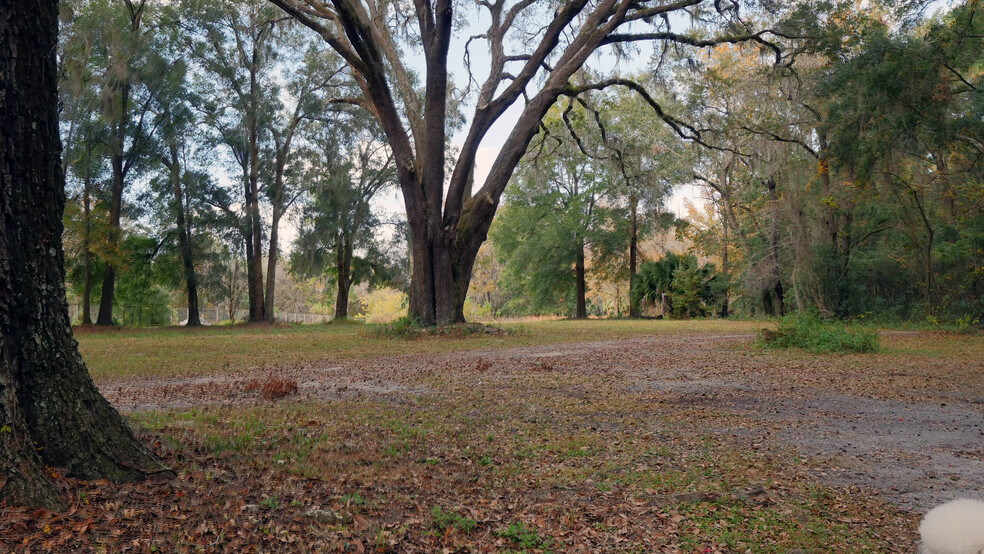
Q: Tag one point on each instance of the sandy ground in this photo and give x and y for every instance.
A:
(916, 453)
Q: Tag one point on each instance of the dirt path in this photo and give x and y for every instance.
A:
(916, 453)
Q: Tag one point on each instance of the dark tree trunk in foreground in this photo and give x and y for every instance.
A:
(51, 413)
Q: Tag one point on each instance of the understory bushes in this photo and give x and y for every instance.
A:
(812, 333)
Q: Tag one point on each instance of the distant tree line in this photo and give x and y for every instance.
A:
(192, 131)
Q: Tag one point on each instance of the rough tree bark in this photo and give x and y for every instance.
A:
(50, 411)
(280, 205)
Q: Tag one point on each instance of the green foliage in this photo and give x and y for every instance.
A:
(690, 289)
(812, 333)
(527, 538)
(408, 328)
(442, 521)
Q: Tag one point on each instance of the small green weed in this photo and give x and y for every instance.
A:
(354, 499)
(442, 521)
(527, 538)
(271, 503)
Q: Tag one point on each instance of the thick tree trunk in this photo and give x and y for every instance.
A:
(343, 267)
(582, 306)
(436, 295)
(634, 310)
(50, 410)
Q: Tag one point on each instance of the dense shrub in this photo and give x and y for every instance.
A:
(812, 333)
(688, 288)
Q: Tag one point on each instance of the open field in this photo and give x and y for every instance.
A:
(571, 436)
(177, 351)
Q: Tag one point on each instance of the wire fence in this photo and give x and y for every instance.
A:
(164, 315)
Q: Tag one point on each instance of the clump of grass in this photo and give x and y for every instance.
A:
(816, 335)
(442, 521)
(527, 538)
(409, 328)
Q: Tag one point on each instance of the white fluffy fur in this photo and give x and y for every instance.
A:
(956, 527)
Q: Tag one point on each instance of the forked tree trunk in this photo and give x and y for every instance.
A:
(50, 411)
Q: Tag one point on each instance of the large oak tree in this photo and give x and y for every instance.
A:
(51, 413)
(534, 47)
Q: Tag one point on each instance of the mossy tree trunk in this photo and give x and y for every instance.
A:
(51, 413)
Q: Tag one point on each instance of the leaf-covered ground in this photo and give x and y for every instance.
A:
(663, 442)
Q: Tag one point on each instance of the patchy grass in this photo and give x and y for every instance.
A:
(491, 457)
(816, 335)
(614, 472)
(179, 351)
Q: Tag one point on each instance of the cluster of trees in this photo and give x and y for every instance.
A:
(838, 147)
(841, 145)
(191, 130)
(840, 164)
(848, 178)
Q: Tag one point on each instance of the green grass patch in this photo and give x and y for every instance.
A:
(442, 521)
(527, 538)
(816, 335)
(179, 351)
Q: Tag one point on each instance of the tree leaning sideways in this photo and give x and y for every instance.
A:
(447, 230)
(51, 413)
